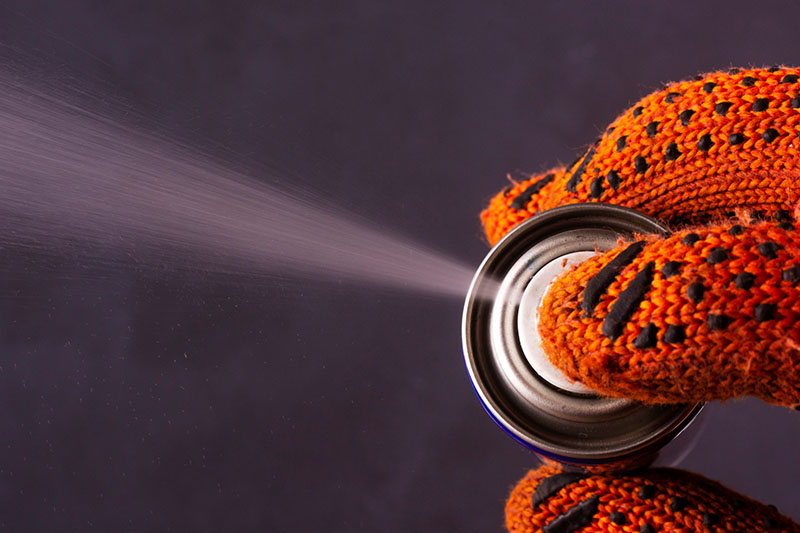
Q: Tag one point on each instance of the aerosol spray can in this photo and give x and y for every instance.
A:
(518, 386)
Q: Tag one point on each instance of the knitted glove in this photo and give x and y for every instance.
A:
(710, 312)
(645, 502)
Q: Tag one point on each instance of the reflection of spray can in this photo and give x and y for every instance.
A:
(518, 386)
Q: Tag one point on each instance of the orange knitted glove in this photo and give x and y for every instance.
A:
(710, 312)
(645, 502)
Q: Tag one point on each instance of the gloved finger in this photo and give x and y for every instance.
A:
(707, 313)
(692, 152)
(651, 500)
(712, 312)
(520, 202)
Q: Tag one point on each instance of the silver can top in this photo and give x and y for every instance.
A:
(518, 386)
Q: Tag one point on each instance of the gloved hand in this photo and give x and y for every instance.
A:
(710, 312)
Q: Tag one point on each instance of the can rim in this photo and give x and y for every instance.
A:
(477, 309)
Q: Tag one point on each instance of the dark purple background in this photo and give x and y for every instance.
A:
(141, 402)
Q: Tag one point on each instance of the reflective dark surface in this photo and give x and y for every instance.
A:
(165, 402)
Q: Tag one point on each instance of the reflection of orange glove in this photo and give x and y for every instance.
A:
(711, 312)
